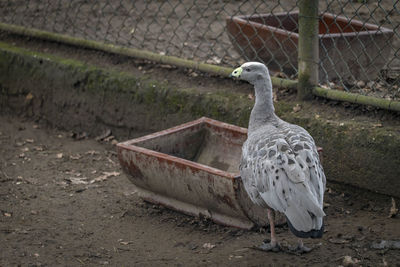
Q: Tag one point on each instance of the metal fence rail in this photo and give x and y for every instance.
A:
(359, 40)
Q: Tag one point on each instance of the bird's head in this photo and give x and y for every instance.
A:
(251, 72)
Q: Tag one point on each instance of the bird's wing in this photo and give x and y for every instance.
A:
(249, 177)
(282, 168)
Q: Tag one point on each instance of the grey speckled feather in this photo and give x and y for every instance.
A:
(280, 165)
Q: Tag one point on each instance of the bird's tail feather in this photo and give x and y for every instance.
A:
(314, 233)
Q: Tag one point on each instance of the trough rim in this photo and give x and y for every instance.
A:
(130, 145)
(371, 28)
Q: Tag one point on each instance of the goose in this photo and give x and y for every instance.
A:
(280, 166)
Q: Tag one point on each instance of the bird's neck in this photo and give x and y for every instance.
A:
(263, 111)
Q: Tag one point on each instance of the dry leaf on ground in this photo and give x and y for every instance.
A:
(349, 261)
(75, 157)
(297, 108)
(393, 209)
(208, 246)
(105, 176)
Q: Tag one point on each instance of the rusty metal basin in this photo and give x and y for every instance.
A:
(193, 168)
(348, 49)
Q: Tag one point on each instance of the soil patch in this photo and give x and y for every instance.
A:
(66, 202)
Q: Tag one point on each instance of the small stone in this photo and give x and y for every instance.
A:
(348, 261)
(29, 97)
(114, 142)
(208, 246)
(297, 108)
(360, 84)
(194, 74)
(75, 157)
(193, 246)
(393, 209)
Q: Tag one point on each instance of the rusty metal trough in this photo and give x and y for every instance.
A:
(193, 168)
(348, 48)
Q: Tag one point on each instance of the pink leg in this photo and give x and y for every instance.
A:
(273, 245)
(271, 218)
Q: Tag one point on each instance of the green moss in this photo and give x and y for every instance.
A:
(354, 152)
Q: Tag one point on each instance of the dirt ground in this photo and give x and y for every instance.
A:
(66, 202)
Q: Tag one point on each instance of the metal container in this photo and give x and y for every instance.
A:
(194, 168)
(348, 49)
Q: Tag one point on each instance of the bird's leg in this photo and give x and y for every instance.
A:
(301, 248)
(273, 244)
(271, 218)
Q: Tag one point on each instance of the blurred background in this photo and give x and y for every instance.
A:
(359, 40)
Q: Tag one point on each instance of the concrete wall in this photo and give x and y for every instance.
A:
(75, 96)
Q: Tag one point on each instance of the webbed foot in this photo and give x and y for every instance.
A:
(269, 246)
(300, 249)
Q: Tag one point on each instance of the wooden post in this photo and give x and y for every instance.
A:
(308, 48)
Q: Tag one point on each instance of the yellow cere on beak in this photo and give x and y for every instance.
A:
(236, 73)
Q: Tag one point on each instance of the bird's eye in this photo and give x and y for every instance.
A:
(247, 69)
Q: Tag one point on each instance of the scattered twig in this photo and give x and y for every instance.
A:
(111, 161)
(79, 136)
(103, 135)
(5, 175)
(105, 176)
(80, 261)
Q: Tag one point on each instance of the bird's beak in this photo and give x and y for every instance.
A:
(236, 73)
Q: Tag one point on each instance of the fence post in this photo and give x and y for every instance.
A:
(308, 55)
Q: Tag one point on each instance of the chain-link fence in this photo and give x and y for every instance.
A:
(359, 40)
